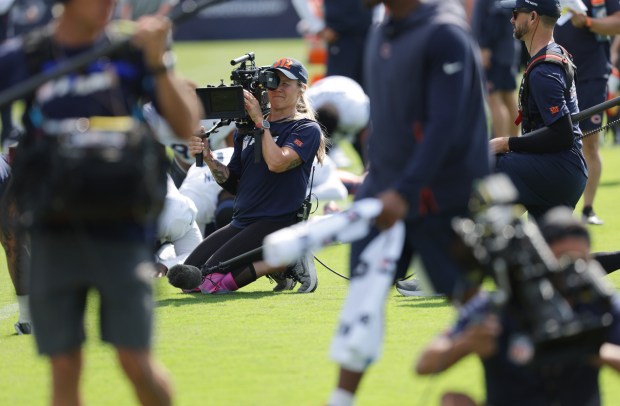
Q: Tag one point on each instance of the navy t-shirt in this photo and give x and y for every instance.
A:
(262, 194)
(591, 56)
(548, 99)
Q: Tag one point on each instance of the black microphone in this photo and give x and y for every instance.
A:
(185, 277)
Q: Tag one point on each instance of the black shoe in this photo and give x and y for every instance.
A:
(23, 328)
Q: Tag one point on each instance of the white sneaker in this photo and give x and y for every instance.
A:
(412, 288)
(592, 219)
(339, 157)
(304, 272)
(283, 282)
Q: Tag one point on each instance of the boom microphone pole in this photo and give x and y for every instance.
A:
(599, 108)
(189, 277)
(179, 14)
(582, 115)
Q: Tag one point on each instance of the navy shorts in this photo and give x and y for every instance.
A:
(501, 78)
(345, 58)
(66, 267)
(431, 238)
(545, 180)
(590, 93)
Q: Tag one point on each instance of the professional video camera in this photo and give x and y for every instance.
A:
(226, 102)
(561, 307)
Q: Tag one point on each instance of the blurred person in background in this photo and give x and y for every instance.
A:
(587, 37)
(103, 238)
(500, 59)
(514, 372)
(427, 146)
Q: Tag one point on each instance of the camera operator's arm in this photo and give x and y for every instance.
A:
(445, 351)
(175, 102)
(278, 159)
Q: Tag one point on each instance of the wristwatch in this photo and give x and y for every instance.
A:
(264, 124)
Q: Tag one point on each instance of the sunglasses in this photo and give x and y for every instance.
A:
(516, 11)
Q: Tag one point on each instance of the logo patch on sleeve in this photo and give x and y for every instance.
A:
(298, 142)
(554, 109)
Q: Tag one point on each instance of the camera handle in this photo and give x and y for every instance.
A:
(205, 136)
(257, 133)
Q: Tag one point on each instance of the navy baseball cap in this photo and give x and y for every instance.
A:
(291, 68)
(549, 8)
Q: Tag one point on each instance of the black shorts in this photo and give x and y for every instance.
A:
(65, 267)
(501, 78)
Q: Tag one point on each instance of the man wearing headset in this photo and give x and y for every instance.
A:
(547, 168)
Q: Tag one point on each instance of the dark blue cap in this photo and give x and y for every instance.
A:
(549, 8)
(291, 68)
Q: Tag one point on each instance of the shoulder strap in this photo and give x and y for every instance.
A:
(564, 60)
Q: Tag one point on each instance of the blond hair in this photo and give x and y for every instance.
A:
(304, 110)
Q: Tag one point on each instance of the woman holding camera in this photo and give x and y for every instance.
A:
(269, 194)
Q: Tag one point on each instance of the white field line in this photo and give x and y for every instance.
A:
(8, 311)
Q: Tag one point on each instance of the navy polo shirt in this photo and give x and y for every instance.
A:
(547, 95)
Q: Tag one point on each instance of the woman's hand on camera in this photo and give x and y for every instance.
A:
(252, 107)
(198, 145)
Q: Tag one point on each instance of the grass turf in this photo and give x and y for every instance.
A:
(255, 347)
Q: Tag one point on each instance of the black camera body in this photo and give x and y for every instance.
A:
(563, 309)
(227, 103)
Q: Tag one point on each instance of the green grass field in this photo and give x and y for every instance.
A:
(254, 347)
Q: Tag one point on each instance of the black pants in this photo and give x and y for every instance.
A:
(230, 241)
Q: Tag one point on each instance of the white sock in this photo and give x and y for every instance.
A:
(341, 397)
(24, 309)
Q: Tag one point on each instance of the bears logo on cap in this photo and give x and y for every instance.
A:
(291, 68)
